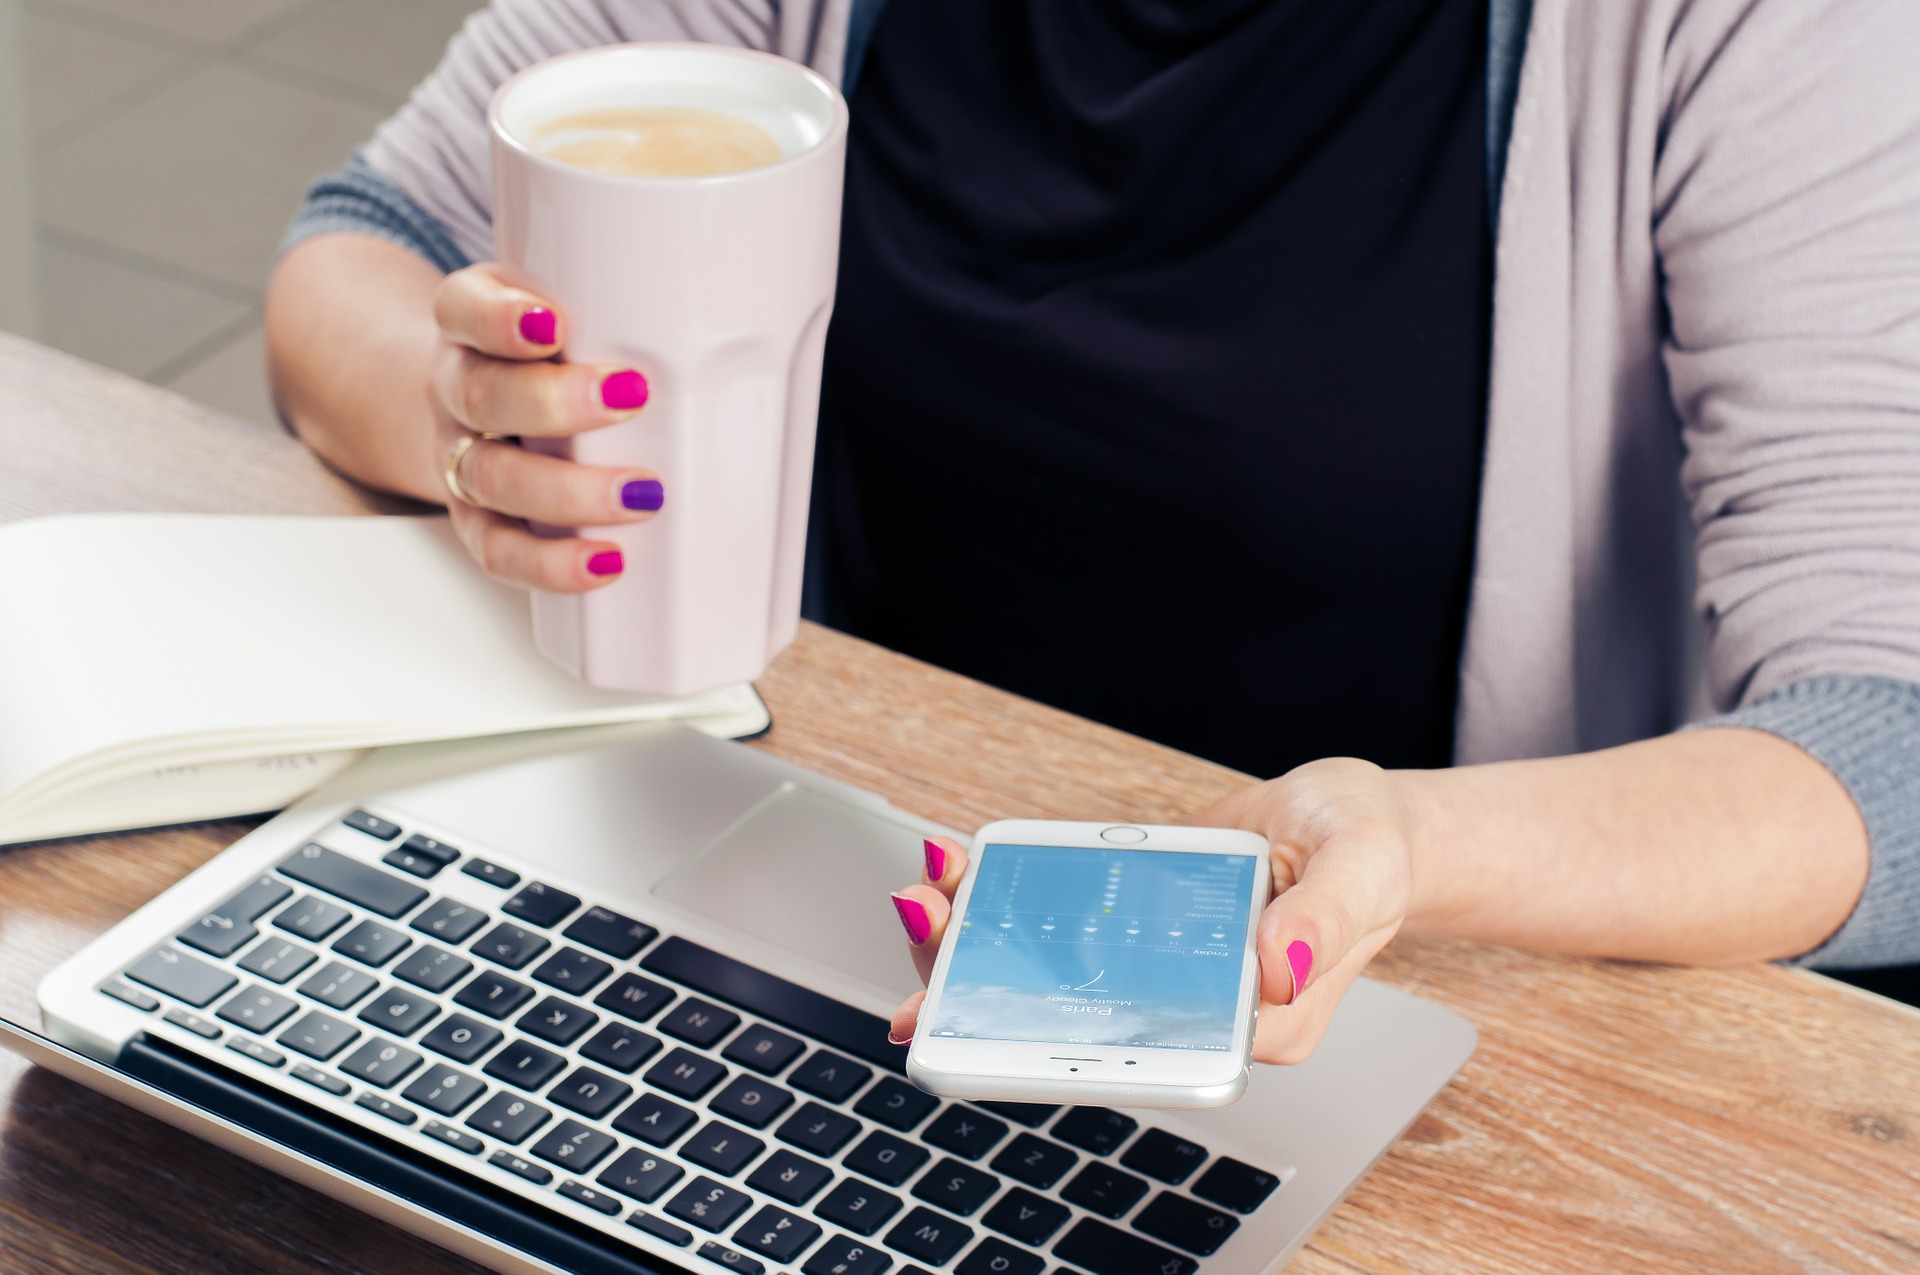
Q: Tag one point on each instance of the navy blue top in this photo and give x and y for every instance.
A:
(1156, 385)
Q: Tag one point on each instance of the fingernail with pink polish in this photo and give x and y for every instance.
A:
(936, 861)
(624, 391)
(898, 1040)
(609, 563)
(913, 918)
(1300, 961)
(537, 326)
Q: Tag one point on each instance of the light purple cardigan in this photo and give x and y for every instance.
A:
(1706, 301)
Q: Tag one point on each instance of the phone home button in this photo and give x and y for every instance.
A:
(1124, 836)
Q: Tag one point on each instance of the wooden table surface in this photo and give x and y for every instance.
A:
(1616, 1117)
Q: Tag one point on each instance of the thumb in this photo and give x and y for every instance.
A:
(1311, 927)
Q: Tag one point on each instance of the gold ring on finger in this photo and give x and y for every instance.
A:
(450, 468)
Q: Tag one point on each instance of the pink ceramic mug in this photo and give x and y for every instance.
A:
(718, 289)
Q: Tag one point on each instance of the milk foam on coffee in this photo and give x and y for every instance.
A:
(659, 141)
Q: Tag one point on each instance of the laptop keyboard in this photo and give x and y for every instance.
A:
(663, 1086)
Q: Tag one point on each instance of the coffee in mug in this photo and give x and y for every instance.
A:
(681, 203)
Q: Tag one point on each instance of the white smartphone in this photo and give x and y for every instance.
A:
(1097, 963)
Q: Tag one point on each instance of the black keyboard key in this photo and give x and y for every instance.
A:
(521, 1167)
(421, 843)
(1095, 1129)
(493, 994)
(319, 1036)
(732, 1259)
(321, 1080)
(372, 825)
(452, 1137)
(358, 883)
(572, 970)
(965, 1132)
(386, 1107)
(721, 1147)
(257, 1009)
(818, 1129)
(312, 918)
(931, 1237)
(789, 1178)
(277, 960)
(525, 1065)
(461, 1038)
(399, 1011)
(508, 1117)
(599, 1201)
(844, 1255)
(708, 1205)
(412, 862)
(654, 1119)
(444, 1091)
(659, 1228)
(1106, 1250)
(746, 987)
(620, 1047)
(631, 996)
(754, 1103)
(997, 1257)
(193, 1023)
(1186, 1223)
(607, 931)
(896, 1104)
(885, 1158)
(556, 1021)
(1026, 1217)
(860, 1208)
(1030, 1114)
(1105, 1190)
(829, 1076)
(1162, 1155)
(381, 1063)
(699, 1023)
(1234, 1185)
(1034, 1161)
(257, 1051)
(226, 929)
(641, 1175)
(260, 897)
(763, 1049)
(509, 945)
(339, 986)
(491, 873)
(540, 904)
(433, 968)
(185, 978)
(685, 1074)
(589, 1092)
(574, 1147)
(956, 1187)
(776, 1233)
(450, 921)
(130, 995)
(372, 943)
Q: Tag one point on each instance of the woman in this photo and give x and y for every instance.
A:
(1351, 354)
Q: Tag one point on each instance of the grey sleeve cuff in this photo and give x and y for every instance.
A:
(1866, 730)
(360, 201)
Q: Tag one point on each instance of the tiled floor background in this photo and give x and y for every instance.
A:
(171, 142)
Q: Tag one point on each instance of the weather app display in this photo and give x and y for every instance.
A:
(1100, 947)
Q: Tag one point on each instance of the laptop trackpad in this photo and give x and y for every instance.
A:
(811, 873)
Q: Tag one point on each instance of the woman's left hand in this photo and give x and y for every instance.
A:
(1341, 832)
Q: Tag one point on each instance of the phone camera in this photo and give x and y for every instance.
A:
(1129, 1062)
(1073, 1069)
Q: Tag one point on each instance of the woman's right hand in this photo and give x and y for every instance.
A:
(495, 372)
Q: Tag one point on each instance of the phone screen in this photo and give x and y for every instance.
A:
(1100, 947)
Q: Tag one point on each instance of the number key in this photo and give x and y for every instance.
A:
(381, 1063)
(574, 1147)
(444, 1091)
(508, 1117)
(843, 1255)
(708, 1205)
(641, 1175)
(776, 1233)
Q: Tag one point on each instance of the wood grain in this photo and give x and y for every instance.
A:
(1617, 1117)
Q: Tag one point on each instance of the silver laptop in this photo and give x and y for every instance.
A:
(623, 1009)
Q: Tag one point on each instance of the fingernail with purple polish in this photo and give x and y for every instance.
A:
(936, 861)
(606, 564)
(643, 493)
(537, 326)
(624, 391)
(913, 918)
(1300, 964)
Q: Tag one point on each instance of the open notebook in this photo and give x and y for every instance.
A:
(162, 668)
